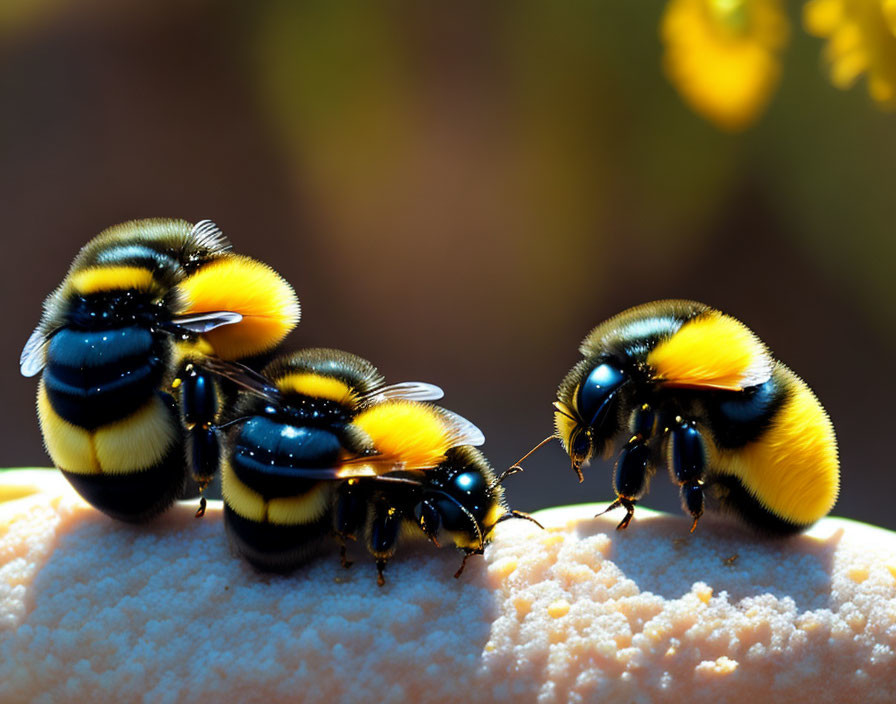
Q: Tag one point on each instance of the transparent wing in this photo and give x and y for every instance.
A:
(245, 378)
(461, 431)
(203, 322)
(34, 355)
(406, 390)
(208, 235)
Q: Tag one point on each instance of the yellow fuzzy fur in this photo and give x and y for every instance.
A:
(96, 279)
(242, 285)
(711, 351)
(318, 386)
(132, 444)
(405, 433)
(251, 505)
(792, 468)
(70, 447)
(137, 442)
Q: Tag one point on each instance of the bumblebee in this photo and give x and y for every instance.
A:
(320, 448)
(123, 402)
(680, 383)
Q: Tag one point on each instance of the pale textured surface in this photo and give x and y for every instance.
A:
(92, 609)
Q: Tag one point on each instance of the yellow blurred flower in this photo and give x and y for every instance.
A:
(861, 38)
(723, 56)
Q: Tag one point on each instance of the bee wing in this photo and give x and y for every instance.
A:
(208, 235)
(34, 354)
(406, 390)
(245, 378)
(203, 322)
(360, 468)
(461, 431)
(339, 472)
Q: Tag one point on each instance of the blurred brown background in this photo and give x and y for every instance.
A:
(459, 192)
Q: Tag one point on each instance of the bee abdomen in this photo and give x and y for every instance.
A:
(93, 378)
(789, 475)
(276, 547)
(740, 417)
(267, 454)
(136, 496)
(733, 497)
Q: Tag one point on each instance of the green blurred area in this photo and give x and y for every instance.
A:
(460, 191)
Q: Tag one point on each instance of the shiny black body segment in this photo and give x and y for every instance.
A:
(106, 350)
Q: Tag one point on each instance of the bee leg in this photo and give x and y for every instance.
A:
(467, 554)
(633, 471)
(199, 404)
(429, 520)
(692, 500)
(380, 566)
(350, 509)
(343, 559)
(687, 459)
(349, 515)
(383, 534)
(513, 513)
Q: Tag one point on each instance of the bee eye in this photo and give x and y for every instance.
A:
(597, 392)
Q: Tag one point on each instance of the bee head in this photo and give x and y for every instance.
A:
(585, 416)
(462, 502)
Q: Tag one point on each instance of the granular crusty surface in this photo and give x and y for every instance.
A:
(95, 610)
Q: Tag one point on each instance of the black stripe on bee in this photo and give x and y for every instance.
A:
(94, 378)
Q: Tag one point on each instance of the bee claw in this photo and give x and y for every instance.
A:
(460, 570)
(615, 504)
(346, 563)
(629, 507)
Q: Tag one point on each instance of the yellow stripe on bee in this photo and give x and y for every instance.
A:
(137, 442)
(297, 510)
(290, 511)
(405, 433)
(244, 501)
(70, 447)
(711, 351)
(318, 386)
(242, 285)
(132, 444)
(792, 469)
(112, 278)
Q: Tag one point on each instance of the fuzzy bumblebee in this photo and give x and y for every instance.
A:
(123, 402)
(320, 448)
(678, 383)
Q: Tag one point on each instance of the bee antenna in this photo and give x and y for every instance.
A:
(506, 473)
(516, 466)
(518, 514)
